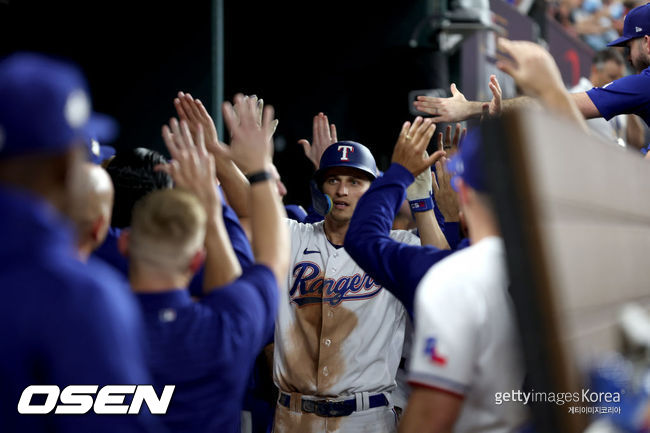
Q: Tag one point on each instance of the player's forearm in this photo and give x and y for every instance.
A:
(562, 104)
(235, 187)
(429, 230)
(472, 109)
(221, 266)
(270, 234)
(513, 104)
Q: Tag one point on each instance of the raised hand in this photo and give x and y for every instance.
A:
(260, 110)
(449, 144)
(410, 150)
(532, 67)
(445, 196)
(494, 108)
(194, 113)
(452, 109)
(323, 134)
(192, 167)
(250, 148)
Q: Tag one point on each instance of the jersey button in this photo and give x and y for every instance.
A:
(325, 371)
(327, 342)
(330, 314)
(333, 269)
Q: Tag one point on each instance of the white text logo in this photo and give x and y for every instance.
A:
(346, 149)
(109, 400)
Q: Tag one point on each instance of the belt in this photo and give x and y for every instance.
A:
(330, 408)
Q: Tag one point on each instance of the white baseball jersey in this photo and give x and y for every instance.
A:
(466, 340)
(338, 332)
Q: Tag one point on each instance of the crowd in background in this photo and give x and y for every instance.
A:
(132, 268)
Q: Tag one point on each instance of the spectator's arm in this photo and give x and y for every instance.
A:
(536, 73)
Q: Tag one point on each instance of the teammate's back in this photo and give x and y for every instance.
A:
(65, 323)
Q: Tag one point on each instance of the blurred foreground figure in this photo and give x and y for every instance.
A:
(466, 347)
(66, 323)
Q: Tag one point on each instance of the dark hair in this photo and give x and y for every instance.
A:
(133, 176)
(604, 56)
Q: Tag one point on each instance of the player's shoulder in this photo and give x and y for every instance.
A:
(93, 284)
(634, 83)
(296, 227)
(462, 273)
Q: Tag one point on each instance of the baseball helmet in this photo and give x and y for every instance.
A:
(346, 154)
(340, 154)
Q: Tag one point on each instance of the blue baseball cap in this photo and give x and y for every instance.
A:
(636, 25)
(45, 107)
(467, 163)
(98, 153)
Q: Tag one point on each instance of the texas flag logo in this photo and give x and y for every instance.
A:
(344, 152)
(432, 350)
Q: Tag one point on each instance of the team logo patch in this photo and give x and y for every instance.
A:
(309, 286)
(344, 152)
(432, 350)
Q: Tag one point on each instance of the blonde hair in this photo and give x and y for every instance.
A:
(167, 229)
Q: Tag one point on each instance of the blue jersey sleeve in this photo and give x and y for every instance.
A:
(295, 212)
(627, 95)
(248, 307)
(237, 236)
(397, 266)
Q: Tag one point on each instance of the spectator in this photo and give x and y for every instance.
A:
(607, 66)
(626, 95)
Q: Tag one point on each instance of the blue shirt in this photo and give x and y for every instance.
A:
(396, 266)
(63, 323)
(109, 253)
(627, 95)
(207, 348)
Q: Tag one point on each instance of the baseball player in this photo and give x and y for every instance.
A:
(222, 333)
(64, 322)
(397, 266)
(466, 347)
(93, 204)
(339, 335)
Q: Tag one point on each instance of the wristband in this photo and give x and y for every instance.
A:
(259, 176)
(421, 204)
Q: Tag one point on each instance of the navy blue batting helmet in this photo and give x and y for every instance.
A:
(347, 154)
